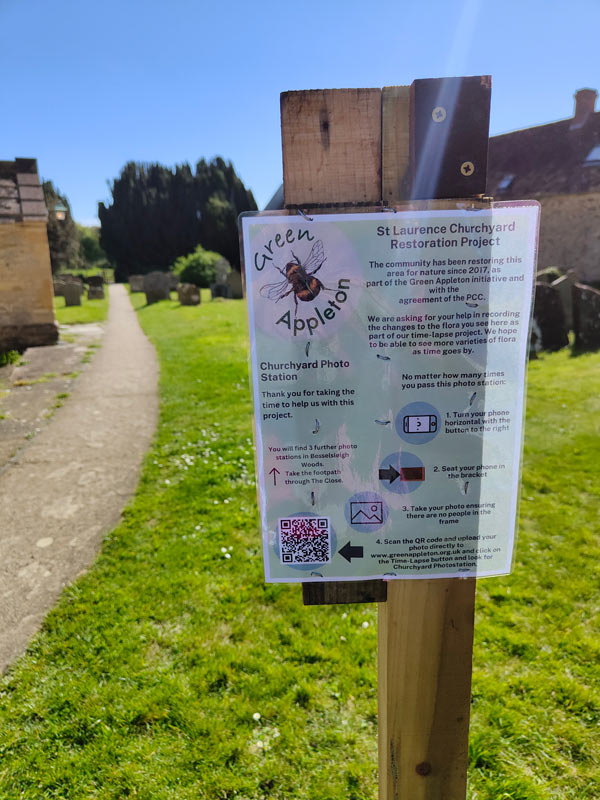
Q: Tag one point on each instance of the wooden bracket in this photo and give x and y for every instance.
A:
(449, 128)
(321, 594)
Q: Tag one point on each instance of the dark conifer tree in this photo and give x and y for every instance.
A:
(158, 214)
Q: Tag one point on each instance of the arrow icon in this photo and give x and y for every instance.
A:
(274, 472)
(389, 474)
(350, 551)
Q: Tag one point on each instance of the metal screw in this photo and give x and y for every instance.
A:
(467, 168)
(439, 114)
(424, 768)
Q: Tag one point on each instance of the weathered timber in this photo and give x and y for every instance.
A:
(322, 594)
(425, 660)
(322, 131)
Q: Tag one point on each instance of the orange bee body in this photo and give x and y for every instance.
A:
(299, 278)
(306, 287)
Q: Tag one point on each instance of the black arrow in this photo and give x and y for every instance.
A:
(389, 474)
(274, 472)
(350, 551)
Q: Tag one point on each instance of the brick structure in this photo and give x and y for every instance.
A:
(559, 165)
(26, 307)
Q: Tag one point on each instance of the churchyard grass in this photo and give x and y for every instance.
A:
(88, 311)
(171, 670)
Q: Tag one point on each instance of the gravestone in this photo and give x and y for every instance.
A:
(220, 287)
(586, 317)
(548, 275)
(95, 293)
(136, 283)
(234, 284)
(222, 270)
(564, 286)
(157, 286)
(188, 294)
(68, 277)
(72, 293)
(173, 281)
(95, 287)
(549, 318)
(59, 286)
(219, 290)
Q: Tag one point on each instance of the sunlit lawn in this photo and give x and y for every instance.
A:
(88, 311)
(172, 671)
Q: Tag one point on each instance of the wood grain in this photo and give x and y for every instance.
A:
(395, 143)
(318, 594)
(425, 659)
(426, 626)
(352, 147)
(331, 141)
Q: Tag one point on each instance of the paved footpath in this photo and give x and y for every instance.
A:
(63, 491)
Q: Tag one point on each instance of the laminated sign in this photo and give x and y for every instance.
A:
(388, 365)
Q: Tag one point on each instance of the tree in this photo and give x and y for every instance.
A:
(63, 237)
(158, 214)
(91, 252)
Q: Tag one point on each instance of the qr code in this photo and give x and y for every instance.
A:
(305, 540)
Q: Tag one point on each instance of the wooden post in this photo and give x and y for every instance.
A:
(425, 646)
(424, 668)
(353, 147)
(331, 142)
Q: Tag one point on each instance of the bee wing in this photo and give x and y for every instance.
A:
(273, 291)
(315, 258)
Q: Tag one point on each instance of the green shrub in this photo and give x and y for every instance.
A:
(200, 267)
(8, 357)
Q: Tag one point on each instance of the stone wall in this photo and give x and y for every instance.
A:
(570, 234)
(26, 308)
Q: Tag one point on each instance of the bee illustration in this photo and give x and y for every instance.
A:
(299, 278)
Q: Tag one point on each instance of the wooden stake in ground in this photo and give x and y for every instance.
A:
(424, 671)
(352, 147)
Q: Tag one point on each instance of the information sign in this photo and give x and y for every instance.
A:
(388, 359)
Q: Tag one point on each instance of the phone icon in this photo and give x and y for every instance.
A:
(419, 423)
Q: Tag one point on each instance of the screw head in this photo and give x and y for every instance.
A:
(467, 168)
(439, 114)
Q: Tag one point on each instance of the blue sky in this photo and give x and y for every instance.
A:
(87, 85)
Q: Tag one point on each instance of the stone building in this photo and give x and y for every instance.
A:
(557, 164)
(26, 307)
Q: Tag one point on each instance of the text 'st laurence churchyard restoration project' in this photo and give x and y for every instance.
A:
(388, 364)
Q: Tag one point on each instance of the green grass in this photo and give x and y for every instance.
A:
(172, 671)
(59, 402)
(47, 376)
(88, 311)
(535, 729)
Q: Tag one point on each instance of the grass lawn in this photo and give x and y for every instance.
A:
(171, 670)
(88, 311)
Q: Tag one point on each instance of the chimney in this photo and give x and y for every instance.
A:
(585, 103)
